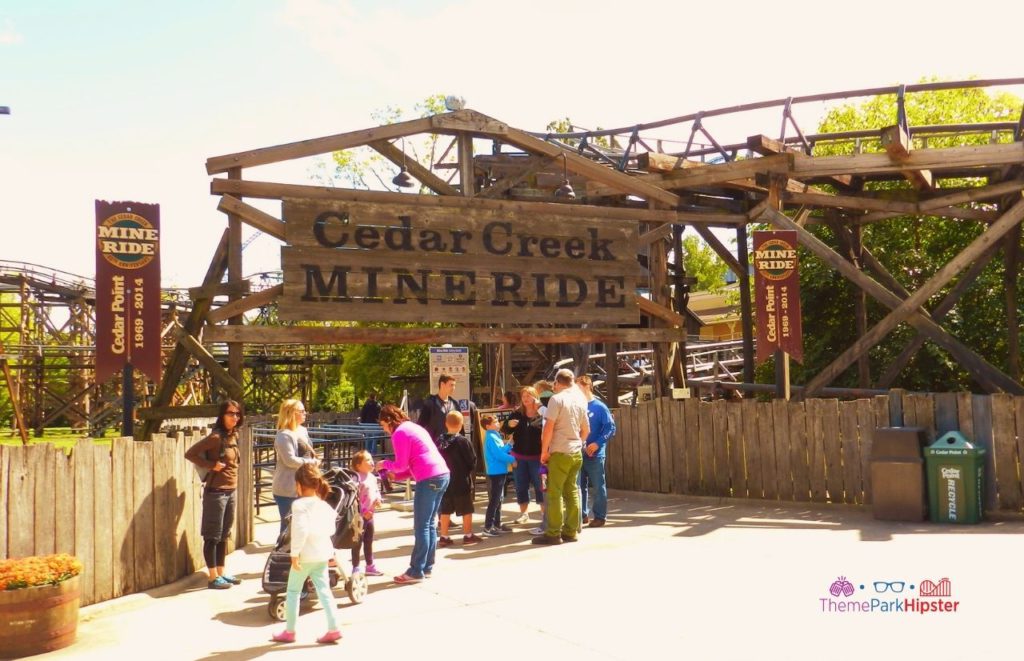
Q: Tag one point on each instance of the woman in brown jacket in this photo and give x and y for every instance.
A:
(218, 453)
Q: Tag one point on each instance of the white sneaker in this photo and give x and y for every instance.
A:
(523, 518)
(536, 531)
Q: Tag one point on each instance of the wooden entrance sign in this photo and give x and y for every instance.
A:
(406, 263)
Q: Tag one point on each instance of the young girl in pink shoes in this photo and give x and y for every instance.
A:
(311, 529)
(369, 500)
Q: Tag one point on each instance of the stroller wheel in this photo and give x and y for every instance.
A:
(277, 608)
(357, 587)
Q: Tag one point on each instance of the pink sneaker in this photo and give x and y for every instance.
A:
(329, 637)
(371, 570)
(285, 637)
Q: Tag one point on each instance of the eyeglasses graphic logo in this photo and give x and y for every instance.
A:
(841, 586)
(893, 586)
(940, 589)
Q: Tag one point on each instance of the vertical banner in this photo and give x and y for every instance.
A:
(453, 361)
(777, 295)
(127, 288)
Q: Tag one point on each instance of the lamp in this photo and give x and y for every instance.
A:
(403, 179)
(565, 190)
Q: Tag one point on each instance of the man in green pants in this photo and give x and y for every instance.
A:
(565, 427)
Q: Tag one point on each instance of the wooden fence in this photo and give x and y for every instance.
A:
(818, 450)
(129, 510)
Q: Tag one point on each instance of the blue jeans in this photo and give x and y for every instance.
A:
(495, 492)
(426, 503)
(317, 572)
(526, 472)
(284, 506)
(592, 477)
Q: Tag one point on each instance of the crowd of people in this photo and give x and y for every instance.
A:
(552, 442)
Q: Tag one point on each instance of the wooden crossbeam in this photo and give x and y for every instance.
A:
(398, 157)
(461, 335)
(205, 359)
(896, 142)
(949, 158)
(239, 288)
(766, 146)
(659, 311)
(252, 216)
(989, 376)
(235, 308)
(509, 181)
(655, 162)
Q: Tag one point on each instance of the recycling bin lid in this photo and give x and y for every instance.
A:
(953, 442)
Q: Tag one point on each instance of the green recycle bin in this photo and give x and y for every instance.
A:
(955, 469)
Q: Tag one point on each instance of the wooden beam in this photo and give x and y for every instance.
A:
(883, 208)
(655, 162)
(896, 142)
(252, 216)
(989, 192)
(315, 146)
(985, 373)
(718, 173)
(766, 146)
(652, 309)
(723, 253)
(399, 158)
(200, 353)
(937, 160)
(235, 308)
(593, 170)
(509, 181)
(426, 335)
(470, 121)
(277, 191)
(239, 288)
(657, 234)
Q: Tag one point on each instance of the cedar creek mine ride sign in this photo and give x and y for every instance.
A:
(391, 262)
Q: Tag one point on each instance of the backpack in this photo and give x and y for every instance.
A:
(348, 528)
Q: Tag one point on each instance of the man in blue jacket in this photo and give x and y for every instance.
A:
(602, 429)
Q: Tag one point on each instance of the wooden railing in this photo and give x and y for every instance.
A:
(129, 510)
(817, 450)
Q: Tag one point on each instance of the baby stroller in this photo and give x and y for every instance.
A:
(344, 498)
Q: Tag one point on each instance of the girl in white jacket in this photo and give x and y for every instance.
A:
(312, 525)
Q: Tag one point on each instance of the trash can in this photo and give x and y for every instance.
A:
(897, 474)
(955, 477)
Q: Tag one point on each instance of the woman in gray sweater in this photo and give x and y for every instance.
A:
(292, 449)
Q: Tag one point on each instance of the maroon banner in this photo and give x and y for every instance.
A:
(127, 288)
(777, 295)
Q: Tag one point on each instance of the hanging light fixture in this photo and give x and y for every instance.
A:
(403, 179)
(565, 190)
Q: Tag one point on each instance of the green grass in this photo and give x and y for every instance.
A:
(61, 437)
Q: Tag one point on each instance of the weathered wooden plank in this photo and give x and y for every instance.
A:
(895, 408)
(965, 414)
(896, 142)
(143, 521)
(401, 159)
(753, 457)
(163, 506)
(765, 419)
(638, 432)
(909, 408)
(85, 501)
(1004, 442)
(982, 419)
(849, 437)
(193, 510)
(180, 481)
(924, 410)
(720, 429)
(708, 471)
(782, 448)
(833, 449)
(1018, 415)
(251, 302)
(816, 450)
(799, 451)
(950, 158)
(945, 412)
(629, 438)
(613, 453)
(5, 452)
(103, 522)
(275, 191)
(648, 428)
(43, 465)
(21, 498)
(656, 162)
(122, 502)
(692, 435)
(464, 335)
(660, 412)
(734, 440)
(652, 309)
(64, 502)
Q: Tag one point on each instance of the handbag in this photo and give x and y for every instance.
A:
(203, 472)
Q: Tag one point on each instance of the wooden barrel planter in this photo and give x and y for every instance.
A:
(40, 619)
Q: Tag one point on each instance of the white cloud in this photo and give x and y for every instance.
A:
(8, 34)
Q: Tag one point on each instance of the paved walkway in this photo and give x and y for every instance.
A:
(669, 576)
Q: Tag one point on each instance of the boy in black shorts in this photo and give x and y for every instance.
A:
(460, 456)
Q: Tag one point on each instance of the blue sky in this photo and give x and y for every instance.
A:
(115, 99)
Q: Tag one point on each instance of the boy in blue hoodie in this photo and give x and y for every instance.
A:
(497, 460)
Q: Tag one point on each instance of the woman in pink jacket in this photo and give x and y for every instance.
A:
(416, 456)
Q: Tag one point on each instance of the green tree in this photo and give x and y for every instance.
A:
(911, 248)
(702, 263)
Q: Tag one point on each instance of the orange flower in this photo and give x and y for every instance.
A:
(34, 571)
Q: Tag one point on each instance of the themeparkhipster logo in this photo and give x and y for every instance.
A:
(890, 597)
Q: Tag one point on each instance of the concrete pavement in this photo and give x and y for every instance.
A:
(668, 576)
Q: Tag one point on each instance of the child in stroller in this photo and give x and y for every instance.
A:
(348, 533)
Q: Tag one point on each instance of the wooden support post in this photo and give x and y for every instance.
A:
(746, 307)
(235, 349)
(897, 143)
(467, 175)
(19, 420)
(611, 370)
(1010, 275)
(782, 381)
